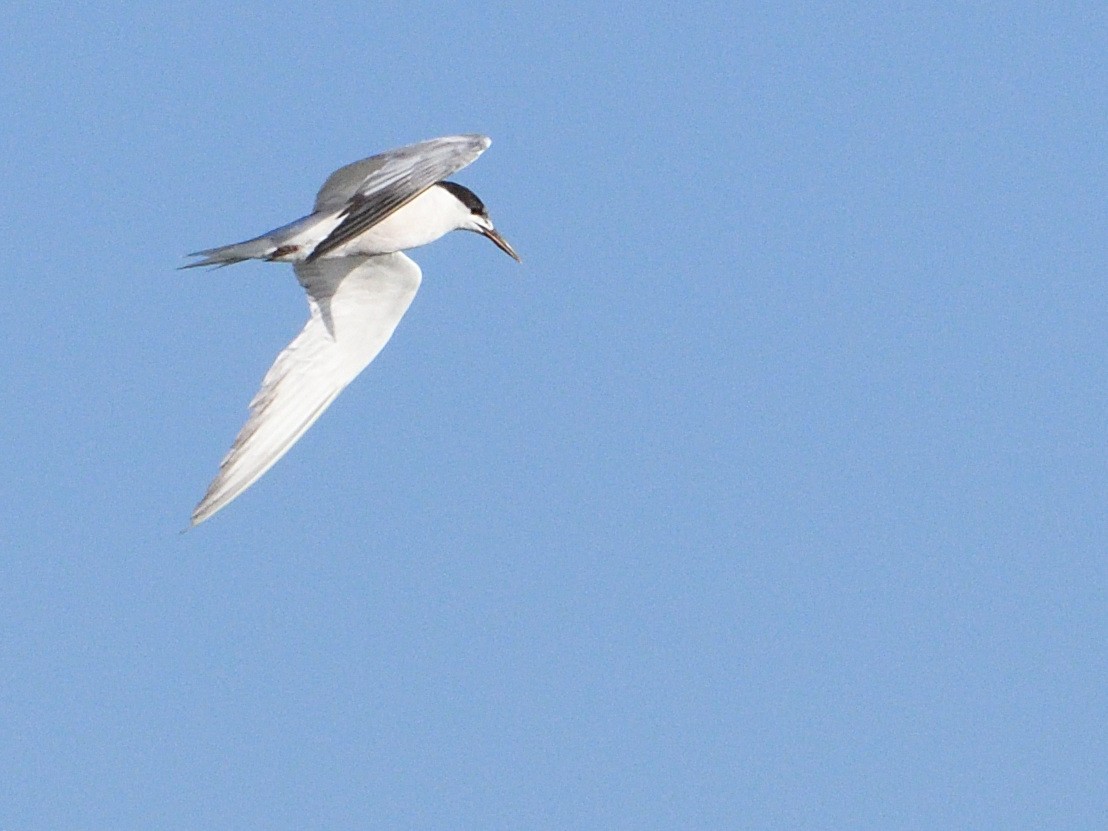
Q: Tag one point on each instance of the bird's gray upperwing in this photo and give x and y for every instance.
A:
(355, 305)
(370, 190)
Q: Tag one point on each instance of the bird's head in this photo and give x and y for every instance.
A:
(476, 217)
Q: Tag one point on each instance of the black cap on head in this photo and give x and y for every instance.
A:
(466, 197)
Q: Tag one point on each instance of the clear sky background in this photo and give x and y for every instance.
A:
(769, 492)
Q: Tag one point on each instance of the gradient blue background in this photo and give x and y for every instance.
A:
(768, 493)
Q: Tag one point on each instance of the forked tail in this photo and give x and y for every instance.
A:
(259, 248)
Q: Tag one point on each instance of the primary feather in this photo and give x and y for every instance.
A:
(355, 304)
(347, 256)
(353, 199)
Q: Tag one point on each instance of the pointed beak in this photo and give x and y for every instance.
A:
(501, 243)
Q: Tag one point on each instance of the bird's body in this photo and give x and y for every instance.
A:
(346, 255)
(432, 214)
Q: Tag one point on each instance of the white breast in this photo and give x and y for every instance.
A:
(430, 215)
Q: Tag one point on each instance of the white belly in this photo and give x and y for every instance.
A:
(426, 218)
(430, 215)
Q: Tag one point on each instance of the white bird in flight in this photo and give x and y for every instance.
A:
(347, 255)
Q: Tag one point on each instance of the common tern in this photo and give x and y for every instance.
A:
(347, 255)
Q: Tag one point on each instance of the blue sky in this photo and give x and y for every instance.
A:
(768, 493)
